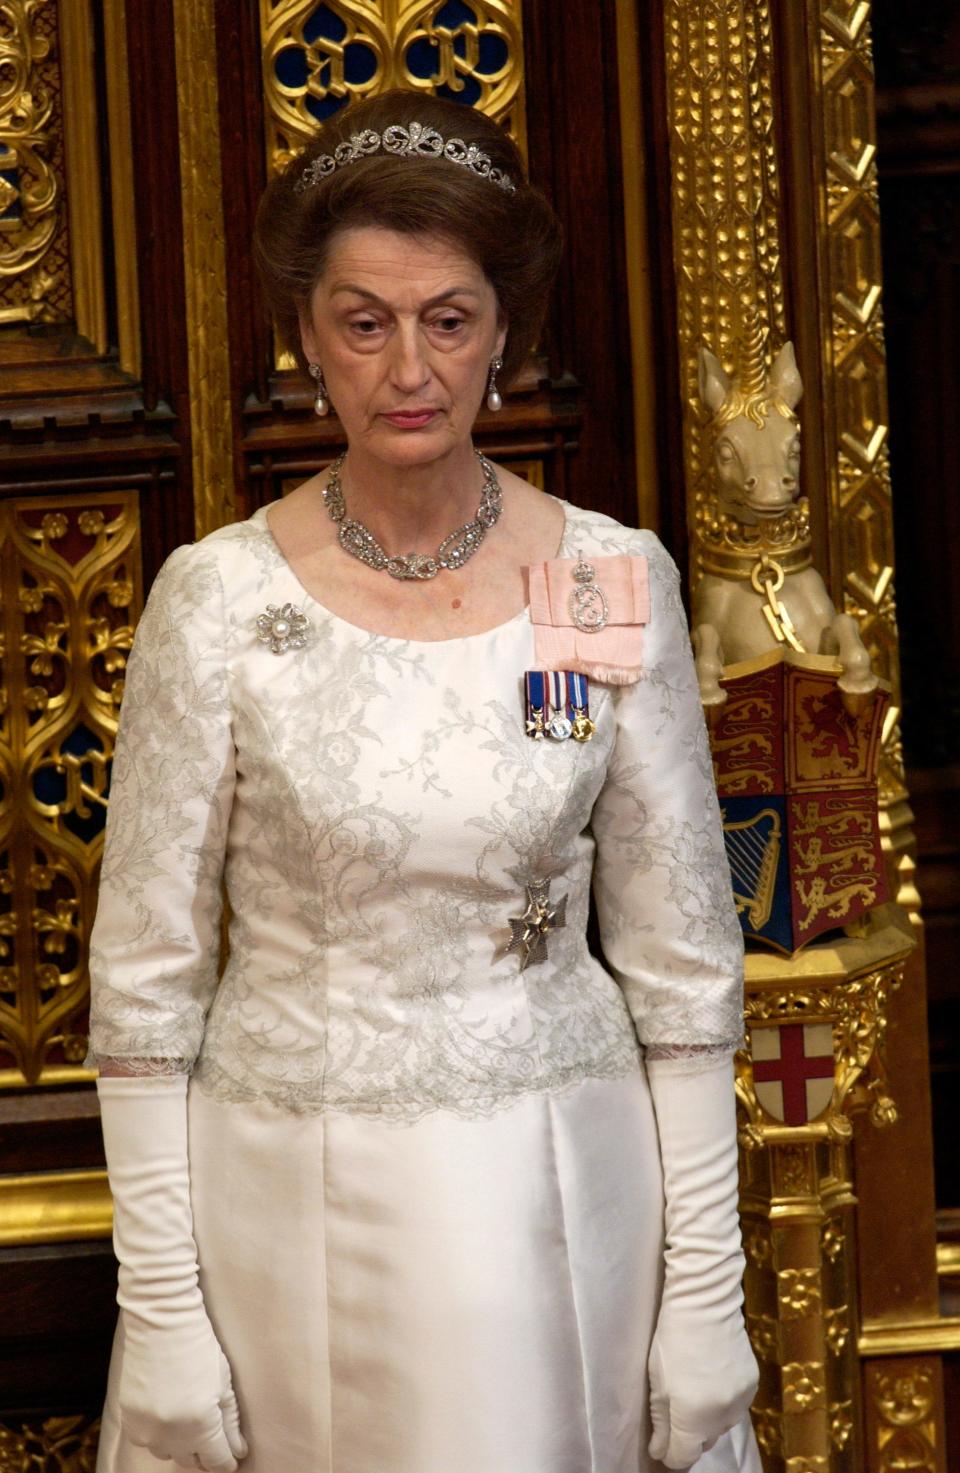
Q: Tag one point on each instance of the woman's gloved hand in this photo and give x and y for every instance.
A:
(703, 1373)
(175, 1393)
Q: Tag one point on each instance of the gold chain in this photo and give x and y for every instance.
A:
(766, 578)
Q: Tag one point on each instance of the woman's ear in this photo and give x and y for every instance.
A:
(501, 340)
(308, 337)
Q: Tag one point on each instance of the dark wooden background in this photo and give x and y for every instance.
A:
(917, 59)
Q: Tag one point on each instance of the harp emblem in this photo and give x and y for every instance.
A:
(753, 850)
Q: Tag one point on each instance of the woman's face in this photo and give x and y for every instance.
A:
(404, 328)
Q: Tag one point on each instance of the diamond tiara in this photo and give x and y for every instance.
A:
(417, 140)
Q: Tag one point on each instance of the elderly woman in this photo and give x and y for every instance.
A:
(418, 1186)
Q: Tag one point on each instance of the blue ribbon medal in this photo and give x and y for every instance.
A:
(557, 705)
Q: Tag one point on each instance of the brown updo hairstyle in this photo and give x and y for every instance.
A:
(515, 238)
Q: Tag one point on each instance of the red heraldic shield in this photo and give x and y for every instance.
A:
(797, 779)
(793, 1070)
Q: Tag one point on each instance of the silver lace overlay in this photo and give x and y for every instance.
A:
(108, 1064)
(374, 809)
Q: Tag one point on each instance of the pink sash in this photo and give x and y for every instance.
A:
(612, 654)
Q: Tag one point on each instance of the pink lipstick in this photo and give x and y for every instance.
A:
(411, 419)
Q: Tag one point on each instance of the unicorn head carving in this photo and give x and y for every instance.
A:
(753, 432)
(758, 586)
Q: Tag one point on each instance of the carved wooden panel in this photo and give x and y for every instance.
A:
(317, 57)
(70, 571)
(35, 276)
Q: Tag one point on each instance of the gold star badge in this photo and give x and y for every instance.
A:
(529, 932)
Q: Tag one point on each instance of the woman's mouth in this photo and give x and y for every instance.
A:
(410, 419)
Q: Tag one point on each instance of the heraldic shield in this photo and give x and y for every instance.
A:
(797, 780)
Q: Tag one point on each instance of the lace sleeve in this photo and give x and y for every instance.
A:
(689, 1058)
(155, 943)
(665, 904)
(139, 1068)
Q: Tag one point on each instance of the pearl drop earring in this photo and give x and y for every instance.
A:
(321, 403)
(494, 401)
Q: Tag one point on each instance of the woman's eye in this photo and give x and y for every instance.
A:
(448, 324)
(365, 326)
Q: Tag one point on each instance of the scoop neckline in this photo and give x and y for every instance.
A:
(306, 596)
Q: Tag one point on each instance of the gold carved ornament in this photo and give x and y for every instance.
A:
(860, 522)
(53, 138)
(34, 269)
(857, 1011)
(71, 585)
(725, 189)
(904, 1412)
(55, 1445)
(313, 62)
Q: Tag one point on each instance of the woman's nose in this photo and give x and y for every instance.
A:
(409, 369)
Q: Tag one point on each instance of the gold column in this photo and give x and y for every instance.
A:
(804, 1240)
(830, 98)
(205, 267)
(797, 1200)
(724, 186)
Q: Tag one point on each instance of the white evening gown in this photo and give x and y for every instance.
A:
(426, 1184)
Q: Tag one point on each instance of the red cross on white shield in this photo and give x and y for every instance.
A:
(793, 1069)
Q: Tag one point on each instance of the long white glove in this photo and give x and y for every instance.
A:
(175, 1394)
(703, 1373)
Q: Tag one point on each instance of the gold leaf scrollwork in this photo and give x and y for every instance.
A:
(71, 579)
(458, 50)
(33, 276)
(305, 63)
(56, 1445)
(905, 1397)
(905, 1402)
(318, 57)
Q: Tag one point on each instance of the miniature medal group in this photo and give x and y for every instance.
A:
(558, 701)
(557, 705)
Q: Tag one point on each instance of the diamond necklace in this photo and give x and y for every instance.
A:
(454, 550)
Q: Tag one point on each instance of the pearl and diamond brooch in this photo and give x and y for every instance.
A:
(282, 628)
